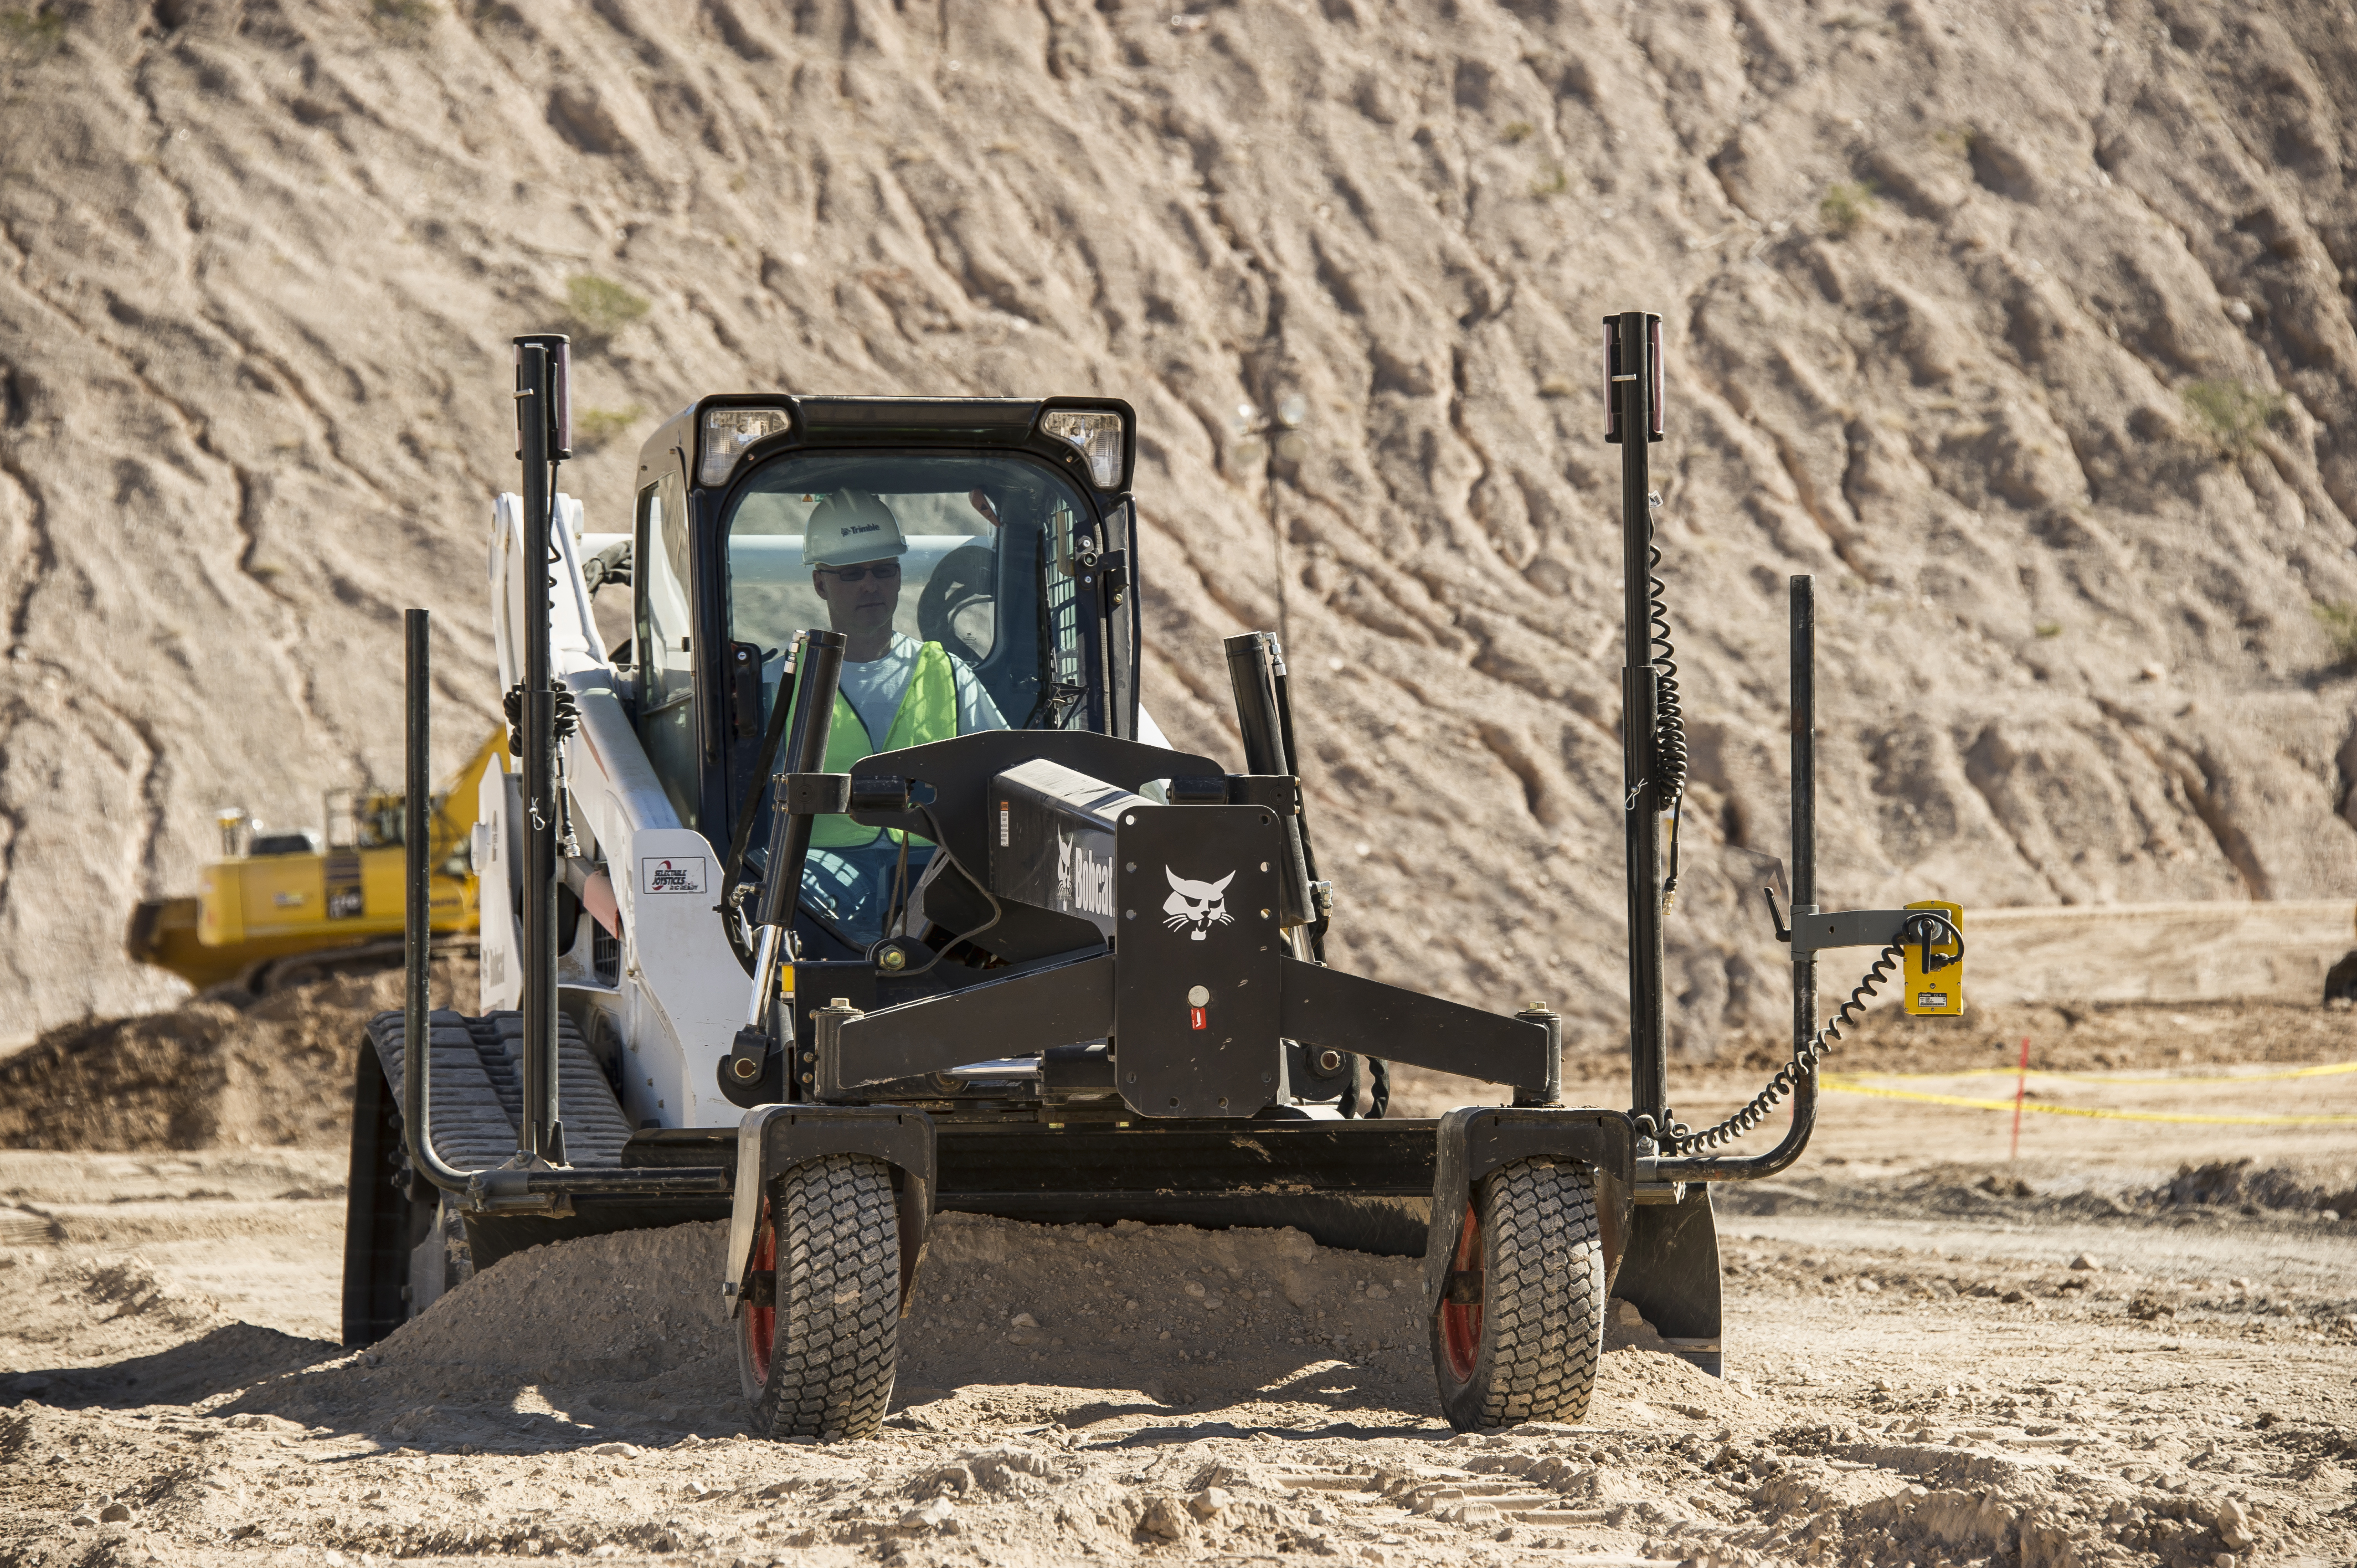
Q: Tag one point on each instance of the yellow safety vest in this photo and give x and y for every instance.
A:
(928, 712)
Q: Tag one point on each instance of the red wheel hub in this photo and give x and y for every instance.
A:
(761, 1328)
(1460, 1323)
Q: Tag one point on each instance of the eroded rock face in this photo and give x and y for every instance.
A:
(2023, 327)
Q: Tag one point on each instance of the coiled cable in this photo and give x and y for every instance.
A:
(1925, 929)
(1670, 754)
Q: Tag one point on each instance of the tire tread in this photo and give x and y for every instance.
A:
(1542, 1300)
(838, 1321)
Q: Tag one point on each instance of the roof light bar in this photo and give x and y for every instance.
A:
(728, 431)
(1097, 433)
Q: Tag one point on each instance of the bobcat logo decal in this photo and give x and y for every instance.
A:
(1083, 882)
(1196, 906)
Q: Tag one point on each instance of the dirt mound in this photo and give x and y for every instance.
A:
(1167, 1315)
(2234, 1184)
(1011, 1322)
(217, 1071)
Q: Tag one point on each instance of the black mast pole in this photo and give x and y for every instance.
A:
(1749, 1168)
(417, 908)
(1805, 810)
(1632, 370)
(539, 424)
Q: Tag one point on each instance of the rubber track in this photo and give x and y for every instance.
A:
(1544, 1294)
(595, 1127)
(479, 1088)
(838, 1302)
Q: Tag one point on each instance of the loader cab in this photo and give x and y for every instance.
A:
(1018, 566)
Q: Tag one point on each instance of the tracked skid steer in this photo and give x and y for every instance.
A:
(856, 886)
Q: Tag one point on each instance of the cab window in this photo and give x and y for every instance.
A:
(962, 566)
(666, 716)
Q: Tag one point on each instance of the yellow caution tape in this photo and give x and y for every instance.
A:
(2327, 1070)
(1839, 1085)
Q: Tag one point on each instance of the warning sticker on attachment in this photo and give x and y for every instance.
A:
(682, 874)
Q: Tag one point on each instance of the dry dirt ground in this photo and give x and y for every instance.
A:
(1935, 1356)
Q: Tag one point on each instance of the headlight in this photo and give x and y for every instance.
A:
(1097, 433)
(727, 432)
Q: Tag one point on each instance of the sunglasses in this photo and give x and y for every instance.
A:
(885, 572)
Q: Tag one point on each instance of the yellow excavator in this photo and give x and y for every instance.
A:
(281, 902)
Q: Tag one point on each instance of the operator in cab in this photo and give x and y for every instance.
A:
(895, 693)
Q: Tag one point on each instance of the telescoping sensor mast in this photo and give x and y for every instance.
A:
(1924, 937)
(857, 885)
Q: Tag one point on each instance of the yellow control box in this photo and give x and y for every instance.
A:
(1937, 990)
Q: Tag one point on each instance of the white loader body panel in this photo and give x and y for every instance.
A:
(674, 1001)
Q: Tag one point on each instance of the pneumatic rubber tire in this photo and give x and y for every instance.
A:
(819, 1362)
(1527, 1349)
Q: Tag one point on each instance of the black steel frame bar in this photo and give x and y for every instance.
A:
(682, 1181)
(1317, 1005)
(813, 722)
(1750, 1167)
(1640, 697)
(1216, 1157)
(417, 887)
(539, 1133)
(1250, 660)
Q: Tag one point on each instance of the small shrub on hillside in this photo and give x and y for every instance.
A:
(600, 307)
(2339, 623)
(2231, 414)
(1844, 208)
(593, 427)
(31, 35)
(405, 21)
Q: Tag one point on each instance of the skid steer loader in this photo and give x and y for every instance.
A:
(857, 886)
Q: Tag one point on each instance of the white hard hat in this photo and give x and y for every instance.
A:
(849, 527)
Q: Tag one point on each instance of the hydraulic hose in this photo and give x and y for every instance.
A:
(980, 884)
(732, 874)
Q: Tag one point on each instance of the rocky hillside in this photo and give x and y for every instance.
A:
(2025, 326)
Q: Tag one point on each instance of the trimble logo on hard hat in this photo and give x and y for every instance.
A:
(851, 526)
